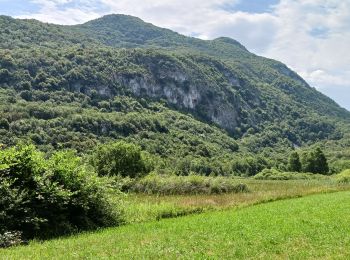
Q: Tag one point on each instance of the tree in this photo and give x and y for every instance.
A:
(315, 162)
(119, 158)
(307, 162)
(294, 164)
(320, 161)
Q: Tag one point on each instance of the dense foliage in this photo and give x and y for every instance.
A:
(207, 107)
(294, 164)
(315, 161)
(344, 176)
(121, 159)
(44, 198)
(273, 174)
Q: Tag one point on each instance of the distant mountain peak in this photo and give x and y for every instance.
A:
(229, 40)
(116, 18)
(115, 29)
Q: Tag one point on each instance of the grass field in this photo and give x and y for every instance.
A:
(312, 227)
(142, 208)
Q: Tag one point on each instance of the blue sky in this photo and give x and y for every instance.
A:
(310, 36)
(16, 7)
(252, 6)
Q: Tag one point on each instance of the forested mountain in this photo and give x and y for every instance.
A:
(200, 103)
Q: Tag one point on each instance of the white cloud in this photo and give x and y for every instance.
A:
(310, 36)
(323, 61)
(324, 79)
(64, 11)
(206, 19)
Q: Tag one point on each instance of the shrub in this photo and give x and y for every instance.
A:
(193, 184)
(120, 158)
(8, 239)
(248, 165)
(273, 174)
(340, 165)
(343, 177)
(45, 198)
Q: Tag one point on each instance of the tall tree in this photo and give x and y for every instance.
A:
(315, 162)
(320, 162)
(307, 162)
(294, 164)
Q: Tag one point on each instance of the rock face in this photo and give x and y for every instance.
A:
(179, 89)
(104, 91)
(170, 88)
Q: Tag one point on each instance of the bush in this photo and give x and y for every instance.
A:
(193, 184)
(248, 165)
(273, 174)
(8, 239)
(343, 177)
(120, 158)
(45, 198)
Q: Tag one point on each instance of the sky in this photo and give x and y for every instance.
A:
(311, 36)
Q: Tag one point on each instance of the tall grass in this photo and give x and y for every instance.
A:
(141, 207)
(174, 185)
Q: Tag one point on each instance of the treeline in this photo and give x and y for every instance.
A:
(312, 161)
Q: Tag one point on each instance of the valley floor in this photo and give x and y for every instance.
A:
(315, 226)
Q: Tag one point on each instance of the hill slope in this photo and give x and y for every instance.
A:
(49, 73)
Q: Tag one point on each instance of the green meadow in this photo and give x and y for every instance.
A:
(310, 227)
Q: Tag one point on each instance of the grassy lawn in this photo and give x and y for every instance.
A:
(311, 227)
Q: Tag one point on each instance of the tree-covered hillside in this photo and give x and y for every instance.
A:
(196, 104)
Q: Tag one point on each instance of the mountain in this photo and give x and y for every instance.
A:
(119, 77)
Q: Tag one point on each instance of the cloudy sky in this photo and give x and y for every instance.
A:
(310, 36)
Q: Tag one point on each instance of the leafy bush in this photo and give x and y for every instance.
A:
(193, 184)
(44, 198)
(248, 165)
(8, 239)
(120, 158)
(343, 177)
(273, 174)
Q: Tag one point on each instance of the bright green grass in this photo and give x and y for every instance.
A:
(313, 227)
